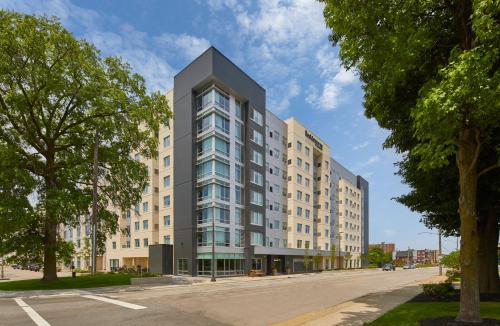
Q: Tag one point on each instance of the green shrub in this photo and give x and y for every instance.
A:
(452, 275)
(439, 290)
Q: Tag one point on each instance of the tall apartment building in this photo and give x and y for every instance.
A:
(268, 187)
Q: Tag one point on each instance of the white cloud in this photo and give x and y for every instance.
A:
(188, 46)
(371, 160)
(345, 77)
(326, 100)
(132, 45)
(360, 146)
(289, 91)
(335, 83)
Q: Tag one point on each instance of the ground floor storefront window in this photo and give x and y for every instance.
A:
(227, 264)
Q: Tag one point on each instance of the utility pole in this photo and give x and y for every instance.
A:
(94, 202)
(440, 266)
(338, 260)
(408, 255)
(213, 247)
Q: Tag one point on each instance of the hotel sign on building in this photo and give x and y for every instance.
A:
(314, 140)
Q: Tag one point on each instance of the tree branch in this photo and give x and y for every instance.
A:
(476, 153)
(488, 169)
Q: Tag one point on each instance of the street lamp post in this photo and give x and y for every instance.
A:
(338, 260)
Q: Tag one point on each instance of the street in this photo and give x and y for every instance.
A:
(230, 301)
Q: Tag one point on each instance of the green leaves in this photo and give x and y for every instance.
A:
(56, 92)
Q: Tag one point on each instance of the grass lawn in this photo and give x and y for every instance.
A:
(84, 281)
(411, 312)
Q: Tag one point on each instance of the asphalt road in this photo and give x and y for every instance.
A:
(227, 302)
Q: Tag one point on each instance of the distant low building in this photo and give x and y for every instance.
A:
(386, 247)
(427, 256)
(407, 256)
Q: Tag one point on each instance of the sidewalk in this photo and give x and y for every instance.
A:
(356, 312)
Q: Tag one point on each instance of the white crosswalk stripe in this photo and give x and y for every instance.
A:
(116, 302)
(37, 319)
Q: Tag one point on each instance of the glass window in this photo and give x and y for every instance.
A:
(166, 181)
(137, 243)
(257, 157)
(166, 220)
(257, 178)
(136, 226)
(256, 239)
(205, 192)
(166, 201)
(221, 192)
(238, 174)
(238, 195)
(257, 137)
(307, 151)
(308, 229)
(205, 145)
(145, 207)
(256, 198)
(222, 146)
(239, 238)
(222, 215)
(204, 100)
(299, 146)
(204, 123)
(222, 124)
(256, 218)
(145, 224)
(299, 211)
(222, 169)
(299, 244)
(238, 109)
(166, 141)
(239, 130)
(307, 166)
(299, 179)
(222, 100)
(166, 239)
(166, 161)
(145, 242)
(204, 169)
(299, 162)
(238, 152)
(238, 216)
(256, 116)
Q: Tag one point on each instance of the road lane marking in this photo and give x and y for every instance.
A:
(37, 319)
(116, 302)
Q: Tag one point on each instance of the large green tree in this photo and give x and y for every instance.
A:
(430, 74)
(434, 195)
(57, 96)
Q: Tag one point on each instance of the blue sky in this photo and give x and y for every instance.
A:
(284, 46)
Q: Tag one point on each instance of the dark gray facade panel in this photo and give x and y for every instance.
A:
(212, 67)
(238, 81)
(363, 184)
(161, 259)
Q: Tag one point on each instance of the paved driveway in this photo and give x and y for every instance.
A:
(227, 302)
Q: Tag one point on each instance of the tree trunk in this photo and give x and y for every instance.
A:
(469, 262)
(49, 253)
(50, 226)
(488, 265)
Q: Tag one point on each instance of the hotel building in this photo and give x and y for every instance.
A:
(268, 188)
